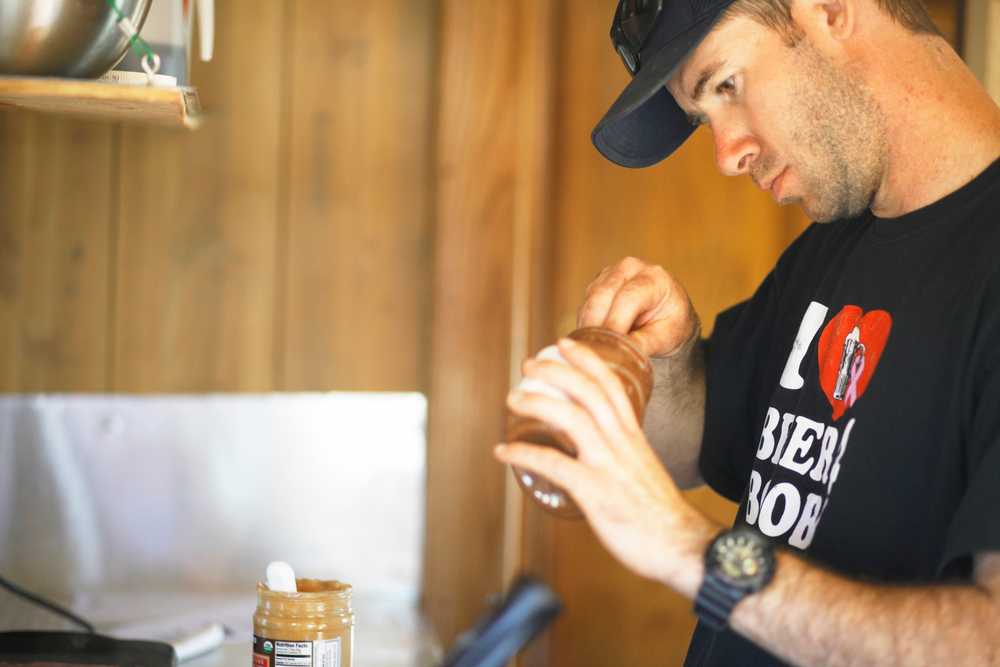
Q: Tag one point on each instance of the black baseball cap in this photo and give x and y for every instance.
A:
(645, 124)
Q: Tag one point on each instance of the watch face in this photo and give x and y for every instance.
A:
(743, 558)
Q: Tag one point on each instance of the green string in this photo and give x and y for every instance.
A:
(136, 43)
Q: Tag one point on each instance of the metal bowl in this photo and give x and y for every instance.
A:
(73, 38)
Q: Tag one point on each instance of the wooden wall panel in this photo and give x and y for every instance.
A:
(488, 205)
(981, 33)
(197, 238)
(531, 248)
(55, 217)
(357, 305)
(947, 16)
(526, 547)
(719, 236)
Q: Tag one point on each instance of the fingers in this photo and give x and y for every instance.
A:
(601, 292)
(564, 416)
(550, 463)
(639, 300)
(605, 389)
(667, 337)
(586, 390)
(633, 297)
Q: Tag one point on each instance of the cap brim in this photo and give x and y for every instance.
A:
(645, 124)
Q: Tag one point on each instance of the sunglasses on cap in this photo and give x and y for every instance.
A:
(633, 22)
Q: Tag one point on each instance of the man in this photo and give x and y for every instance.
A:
(852, 405)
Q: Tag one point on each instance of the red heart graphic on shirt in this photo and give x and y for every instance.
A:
(849, 351)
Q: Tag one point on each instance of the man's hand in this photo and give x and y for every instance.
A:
(644, 301)
(626, 494)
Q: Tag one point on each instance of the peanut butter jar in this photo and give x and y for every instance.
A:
(632, 368)
(313, 627)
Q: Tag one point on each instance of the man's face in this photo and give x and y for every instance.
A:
(796, 122)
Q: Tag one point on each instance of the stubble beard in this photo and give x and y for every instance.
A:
(840, 132)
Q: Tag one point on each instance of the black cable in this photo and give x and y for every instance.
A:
(51, 606)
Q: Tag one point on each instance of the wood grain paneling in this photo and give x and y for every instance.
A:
(526, 547)
(360, 169)
(488, 117)
(55, 217)
(197, 238)
(981, 32)
(947, 16)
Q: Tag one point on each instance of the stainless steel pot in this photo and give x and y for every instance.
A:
(74, 38)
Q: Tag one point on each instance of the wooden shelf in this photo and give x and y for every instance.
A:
(175, 107)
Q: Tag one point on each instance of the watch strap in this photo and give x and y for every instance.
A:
(715, 601)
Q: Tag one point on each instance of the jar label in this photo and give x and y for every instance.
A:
(281, 653)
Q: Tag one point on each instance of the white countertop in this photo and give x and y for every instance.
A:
(389, 631)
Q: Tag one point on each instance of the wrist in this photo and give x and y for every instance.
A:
(685, 566)
(680, 366)
(683, 352)
(739, 563)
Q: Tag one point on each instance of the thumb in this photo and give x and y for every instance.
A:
(663, 338)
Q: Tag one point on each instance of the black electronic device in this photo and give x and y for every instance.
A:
(82, 648)
(529, 607)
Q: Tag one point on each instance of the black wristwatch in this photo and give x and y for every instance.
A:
(738, 562)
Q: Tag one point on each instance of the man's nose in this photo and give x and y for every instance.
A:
(735, 151)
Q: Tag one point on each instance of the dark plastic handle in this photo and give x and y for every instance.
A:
(529, 608)
(78, 648)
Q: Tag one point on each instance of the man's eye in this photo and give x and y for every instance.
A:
(727, 87)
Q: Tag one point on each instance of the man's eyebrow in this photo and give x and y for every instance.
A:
(703, 78)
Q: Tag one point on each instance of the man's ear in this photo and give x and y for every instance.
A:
(832, 19)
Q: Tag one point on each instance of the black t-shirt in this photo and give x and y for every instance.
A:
(853, 404)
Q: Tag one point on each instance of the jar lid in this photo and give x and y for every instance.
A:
(310, 589)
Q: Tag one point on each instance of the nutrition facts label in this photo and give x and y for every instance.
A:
(278, 653)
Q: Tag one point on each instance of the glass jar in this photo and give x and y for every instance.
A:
(313, 627)
(627, 362)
